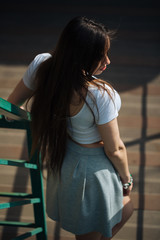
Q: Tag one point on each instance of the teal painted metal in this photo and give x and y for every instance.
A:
(19, 203)
(22, 121)
(29, 234)
(17, 224)
(18, 163)
(12, 111)
(37, 183)
(15, 195)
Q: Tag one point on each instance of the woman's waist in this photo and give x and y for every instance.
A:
(87, 149)
(91, 145)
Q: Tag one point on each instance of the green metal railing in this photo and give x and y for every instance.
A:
(22, 121)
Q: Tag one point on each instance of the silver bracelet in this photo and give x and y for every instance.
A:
(127, 185)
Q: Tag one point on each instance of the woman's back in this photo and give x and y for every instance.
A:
(98, 109)
(85, 181)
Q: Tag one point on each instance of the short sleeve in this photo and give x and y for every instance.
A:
(30, 73)
(108, 107)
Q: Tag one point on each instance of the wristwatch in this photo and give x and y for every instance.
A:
(127, 185)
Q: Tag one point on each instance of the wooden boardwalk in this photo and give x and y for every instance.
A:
(31, 28)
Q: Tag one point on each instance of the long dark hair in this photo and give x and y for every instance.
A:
(80, 48)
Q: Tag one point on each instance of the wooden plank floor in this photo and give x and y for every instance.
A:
(31, 28)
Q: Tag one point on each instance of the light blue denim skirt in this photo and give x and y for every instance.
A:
(88, 197)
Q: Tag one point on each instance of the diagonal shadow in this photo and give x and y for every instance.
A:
(138, 141)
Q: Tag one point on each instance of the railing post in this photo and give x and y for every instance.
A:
(34, 165)
(37, 187)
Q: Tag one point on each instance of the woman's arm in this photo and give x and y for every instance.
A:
(115, 149)
(20, 94)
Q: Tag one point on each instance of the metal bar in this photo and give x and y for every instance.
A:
(19, 203)
(16, 113)
(18, 163)
(17, 224)
(12, 111)
(16, 195)
(21, 124)
(29, 234)
(37, 190)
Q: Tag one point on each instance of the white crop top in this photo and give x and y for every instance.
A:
(81, 127)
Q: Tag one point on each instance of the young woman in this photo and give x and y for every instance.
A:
(74, 124)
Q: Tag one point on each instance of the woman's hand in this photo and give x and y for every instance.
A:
(126, 192)
(10, 119)
(127, 186)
